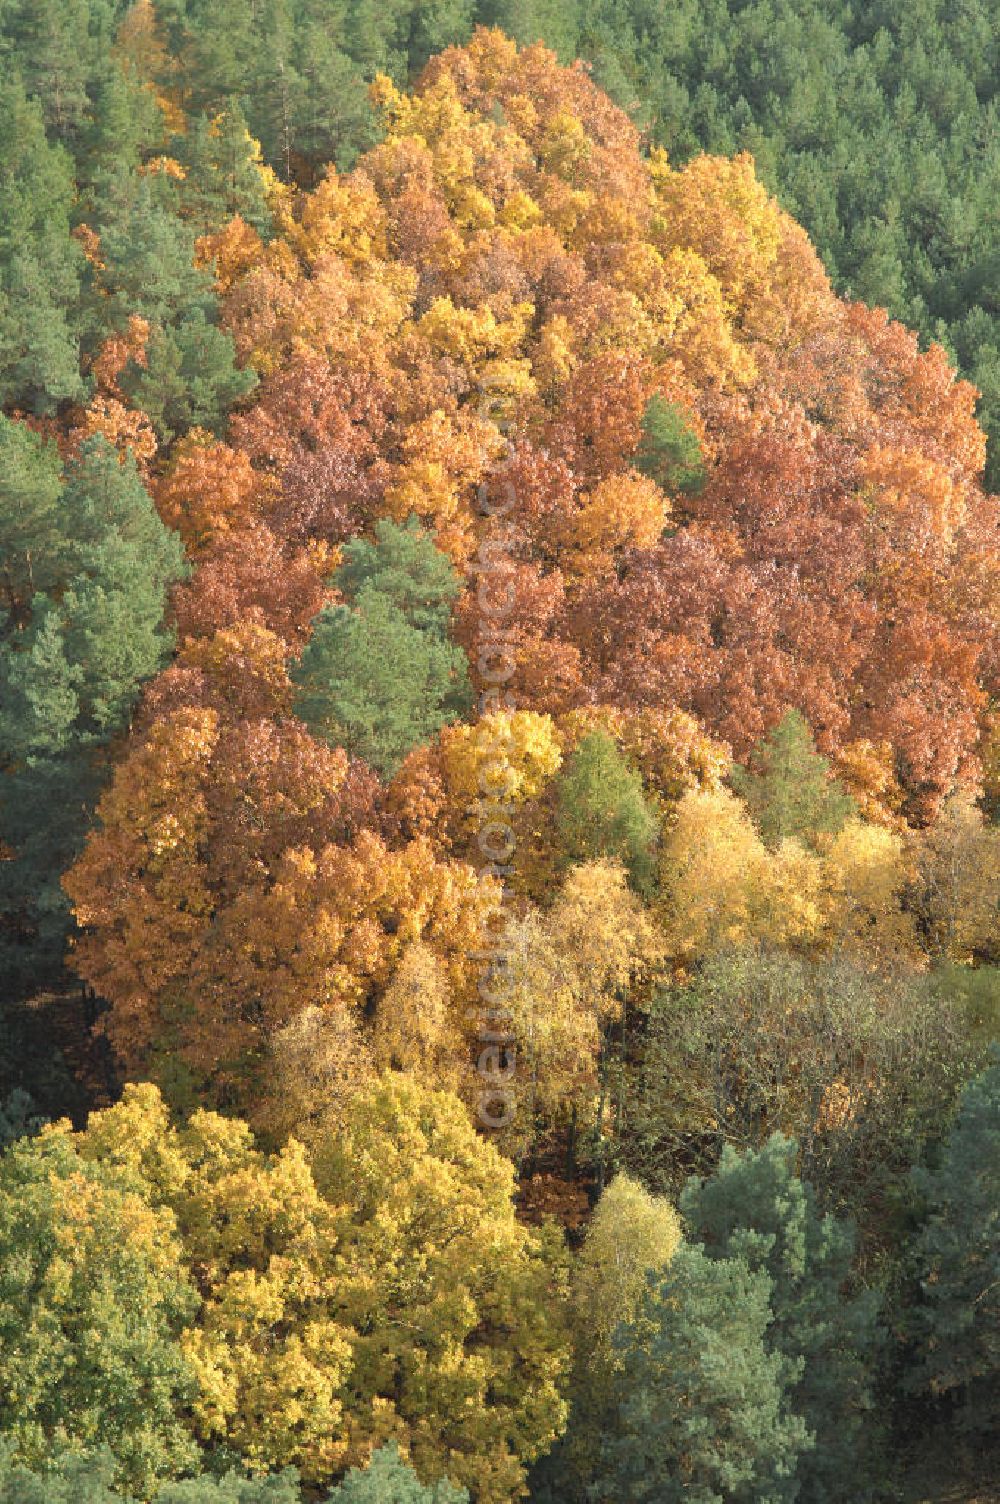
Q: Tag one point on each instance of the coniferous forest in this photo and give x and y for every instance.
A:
(499, 752)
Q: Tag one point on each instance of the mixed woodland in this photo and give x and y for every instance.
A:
(499, 752)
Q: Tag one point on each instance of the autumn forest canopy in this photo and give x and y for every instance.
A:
(499, 752)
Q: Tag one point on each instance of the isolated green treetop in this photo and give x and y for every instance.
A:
(787, 786)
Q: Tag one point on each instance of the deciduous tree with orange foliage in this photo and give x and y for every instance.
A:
(521, 272)
(226, 890)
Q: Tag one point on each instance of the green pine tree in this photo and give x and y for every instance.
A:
(221, 175)
(703, 1413)
(57, 50)
(89, 1478)
(601, 810)
(147, 253)
(69, 1478)
(756, 1209)
(957, 1326)
(669, 451)
(122, 561)
(90, 638)
(190, 377)
(403, 565)
(788, 789)
(73, 656)
(320, 110)
(280, 1488)
(41, 266)
(39, 687)
(371, 682)
(123, 122)
(389, 1480)
(33, 545)
(381, 676)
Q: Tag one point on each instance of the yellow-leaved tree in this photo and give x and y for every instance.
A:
(568, 978)
(722, 888)
(957, 883)
(376, 1286)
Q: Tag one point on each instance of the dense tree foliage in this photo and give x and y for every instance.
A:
(756, 1209)
(41, 268)
(874, 129)
(958, 1256)
(379, 675)
(82, 1479)
(499, 680)
(601, 809)
(162, 1286)
(787, 789)
(87, 564)
(93, 1297)
(704, 1411)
